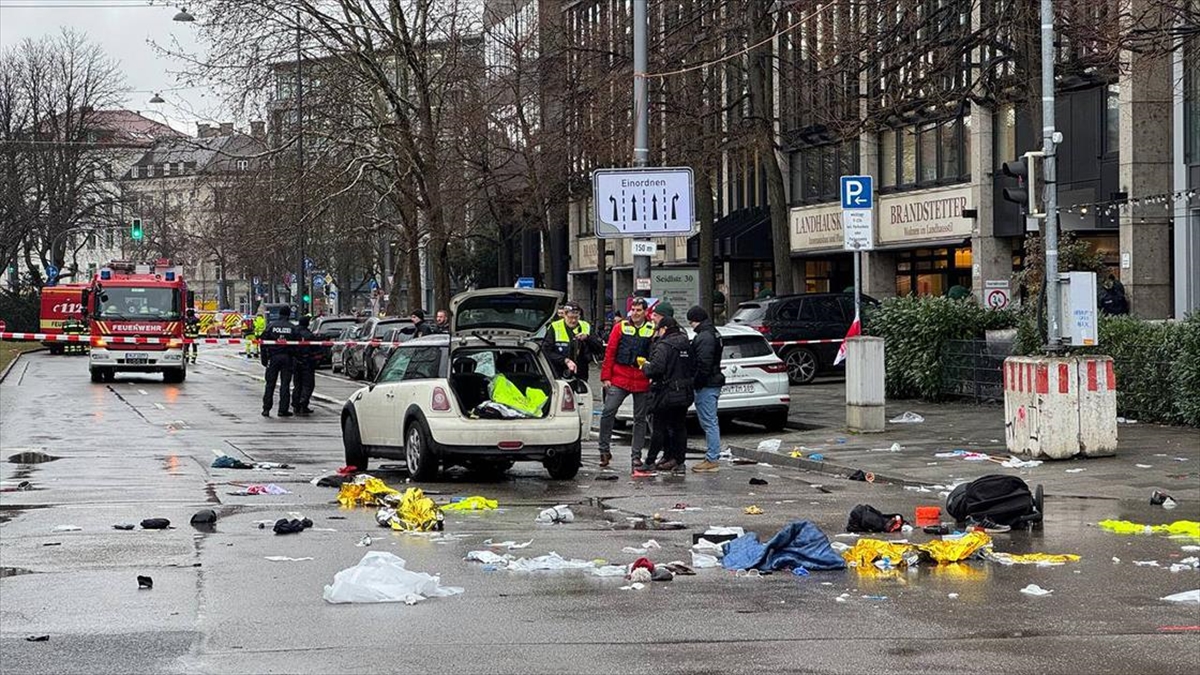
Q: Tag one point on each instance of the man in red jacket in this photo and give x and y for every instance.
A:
(621, 376)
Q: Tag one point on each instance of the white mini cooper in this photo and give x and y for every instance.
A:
(435, 402)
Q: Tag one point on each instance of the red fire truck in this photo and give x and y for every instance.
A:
(59, 305)
(135, 316)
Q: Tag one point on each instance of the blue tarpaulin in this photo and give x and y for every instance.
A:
(799, 544)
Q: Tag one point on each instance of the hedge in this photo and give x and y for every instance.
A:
(915, 330)
(20, 310)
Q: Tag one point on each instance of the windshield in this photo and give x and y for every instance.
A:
(336, 326)
(159, 304)
(749, 313)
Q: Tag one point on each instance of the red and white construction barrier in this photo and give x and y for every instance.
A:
(788, 343)
(1060, 407)
(121, 339)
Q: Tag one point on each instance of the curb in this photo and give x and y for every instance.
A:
(13, 363)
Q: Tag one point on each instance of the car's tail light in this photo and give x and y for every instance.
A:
(777, 367)
(568, 399)
(510, 445)
(440, 400)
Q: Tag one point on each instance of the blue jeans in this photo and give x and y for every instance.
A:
(706, 410)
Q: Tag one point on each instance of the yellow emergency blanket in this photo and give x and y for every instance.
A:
(866, 551)
(416, 513)
(475, 503)
(369, 492)
(954, 550)
(1032, 558)
(529, 402)
(1186, 528)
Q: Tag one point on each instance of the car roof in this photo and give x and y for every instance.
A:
(734, 329)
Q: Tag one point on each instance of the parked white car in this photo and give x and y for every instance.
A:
(756, 380)
(431, 404)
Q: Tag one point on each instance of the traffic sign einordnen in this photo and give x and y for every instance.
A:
(643, 202)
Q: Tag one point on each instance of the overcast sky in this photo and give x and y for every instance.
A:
(121, 28)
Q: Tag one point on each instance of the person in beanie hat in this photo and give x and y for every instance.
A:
(708, 380)
(671, 375)
(661, 309)
(420, 327)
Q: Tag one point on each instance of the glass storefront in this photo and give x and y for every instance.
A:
(932, 271)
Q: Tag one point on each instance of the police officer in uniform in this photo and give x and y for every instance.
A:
(304, 366)
(278, 360)
(569, 345)
(191, 331)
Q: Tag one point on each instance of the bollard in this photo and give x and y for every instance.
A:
(864, 384)
(1060, 407)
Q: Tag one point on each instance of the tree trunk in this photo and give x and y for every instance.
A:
(704, 216)
(413, 263)
(762, 98)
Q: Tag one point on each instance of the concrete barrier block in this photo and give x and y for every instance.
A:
(1097, 386)
(1060, 407)
(865, 384)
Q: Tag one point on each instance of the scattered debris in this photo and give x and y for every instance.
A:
(227, 462)
(607, 476)
(952, 596)
(1039, 559)
(907, 417)
(1190, 563)
(556, 514)
(704, 560)
(757, 481)
(414, 513)
(145, 583)
(769, 445)
(550, 561)
(1186, 597)
(636, 586)
(155, 524)
(38, 638)
(15, 486)
(365, 541)
(754, 510)
(508, 545)
(1125, 420)
(474, 503)
(67, 528)
(1035, 590)
(123, 526)
(284, 558)
(203, 517)
(291, 525)
(1188, 528)
(1144, 466)
(1075, 470)
(382, 577)
(798, 544)
(52, 543)
(261, 489)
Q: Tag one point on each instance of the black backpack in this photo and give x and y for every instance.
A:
(867, 518)
(1005, 500)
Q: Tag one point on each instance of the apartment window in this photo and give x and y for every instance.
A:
(143, 171)
(931, 154)
(950, 143)
(108, 238)
(166, 168)
(816, 170)
(91, 241)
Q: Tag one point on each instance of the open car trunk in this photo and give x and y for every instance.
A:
(475, 372)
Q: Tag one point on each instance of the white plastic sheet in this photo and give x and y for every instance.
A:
(558, 514)
(382, 577)
(1187, 597)
(1035, 590)
(703, 560)
(769, 445)
(908, 417)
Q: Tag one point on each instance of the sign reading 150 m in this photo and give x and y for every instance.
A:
(643, 202)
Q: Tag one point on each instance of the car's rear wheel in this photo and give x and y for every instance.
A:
(418, 453)
(564, 465)
(801, 366)
(352, 370)
(356, 455)
(774, 421)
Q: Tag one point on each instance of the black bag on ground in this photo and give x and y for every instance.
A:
(1005, 500)
(867, 518)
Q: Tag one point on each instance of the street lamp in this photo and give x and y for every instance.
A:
(184, 16)
(300, 279)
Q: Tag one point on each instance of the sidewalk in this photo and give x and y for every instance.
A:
(1149, 456)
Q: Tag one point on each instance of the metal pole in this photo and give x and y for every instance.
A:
(300, 285)
(641, 124)
(1050, 235)
(857, 284)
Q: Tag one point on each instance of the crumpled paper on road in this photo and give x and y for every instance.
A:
(364, 491)
(474, 503)
(416, 513)
(1184, 528)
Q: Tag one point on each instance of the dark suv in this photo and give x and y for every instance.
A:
(808, 316)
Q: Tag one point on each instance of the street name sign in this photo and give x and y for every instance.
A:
(643, 202)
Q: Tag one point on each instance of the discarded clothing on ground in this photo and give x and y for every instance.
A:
(155, 524)
(203, 517)
(291, 525)
(798, 544)
(227, 462)
(414, 513)
(475, 503)
(1185, 528)
(867, 518)
(262, 489)
(365, 491)
(383, 577)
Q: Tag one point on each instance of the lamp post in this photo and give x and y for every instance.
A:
(301, 227)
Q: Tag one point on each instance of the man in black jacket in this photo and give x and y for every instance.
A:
(278, 360)
(671, 374)
(304, 366)
(706, 349)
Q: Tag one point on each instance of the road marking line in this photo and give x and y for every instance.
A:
(160, 406)
(143, 392)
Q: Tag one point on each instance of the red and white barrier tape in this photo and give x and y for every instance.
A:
(121, 339)
(785, 343)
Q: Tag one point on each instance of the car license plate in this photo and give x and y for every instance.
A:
(737, 389)
(137, 360)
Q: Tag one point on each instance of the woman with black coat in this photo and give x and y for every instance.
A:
(671, 372)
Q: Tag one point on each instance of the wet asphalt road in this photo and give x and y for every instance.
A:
(139, 448)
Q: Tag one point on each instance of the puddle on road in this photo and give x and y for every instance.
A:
(31, 457)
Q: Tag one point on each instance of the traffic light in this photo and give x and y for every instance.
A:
(136, 230)
(1024, 169)
(307, 299)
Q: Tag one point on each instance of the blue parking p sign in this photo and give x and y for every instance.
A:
(858, 192)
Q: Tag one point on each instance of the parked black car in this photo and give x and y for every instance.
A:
(330, 328)
(808, 316)
(356, 358)
(379, 355)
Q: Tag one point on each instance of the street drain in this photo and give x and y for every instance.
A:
(13, 571)
(31, 457)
